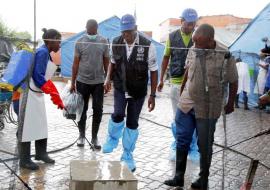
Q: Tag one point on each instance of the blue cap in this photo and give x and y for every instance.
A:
(189, 15)
(127, 22)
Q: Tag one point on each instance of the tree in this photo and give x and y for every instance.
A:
(6, 32)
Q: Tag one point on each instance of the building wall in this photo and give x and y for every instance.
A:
(56, 57)
(230, 22)
(168, 26)
(148, 33)
(223, 20)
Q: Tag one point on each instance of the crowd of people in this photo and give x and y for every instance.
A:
(205, 79)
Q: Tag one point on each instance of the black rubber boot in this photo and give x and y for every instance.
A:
(236, 105)
(81, 139)
(41, 151)
(94, 141)
(196, 184)
(200, 183)
(181, 163)
(25, 156)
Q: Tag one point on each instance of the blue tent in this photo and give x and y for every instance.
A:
(109, 28)
(248, 45)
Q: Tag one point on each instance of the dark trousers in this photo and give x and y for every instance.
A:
(205, 129)
(97, 93)
(134, 108)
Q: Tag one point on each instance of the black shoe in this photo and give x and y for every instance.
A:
(95, 143)
(29, 164)
(80, 142)
(199, 184)
(175, 182)
(45, 158)
(196, 184)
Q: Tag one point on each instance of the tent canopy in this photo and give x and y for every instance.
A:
(109, 28)
(250, 41)
(248, 45)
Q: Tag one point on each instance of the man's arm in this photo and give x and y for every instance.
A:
(153, 68)
(105, 64)
(154, 79)
(110, 70)
(75, 68)
(229, 108)
(151, 100)
(264, 99)
(107, 83)
(264, 66)
(164, 67)
(184, 81)
(232, 78)
(106, 56)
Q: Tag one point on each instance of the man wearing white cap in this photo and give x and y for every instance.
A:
(133, 56)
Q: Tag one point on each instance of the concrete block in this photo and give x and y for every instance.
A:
(101, 175)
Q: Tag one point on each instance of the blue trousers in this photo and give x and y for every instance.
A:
(134, 108)
(185, 126)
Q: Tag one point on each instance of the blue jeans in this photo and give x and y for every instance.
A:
(185, 126)
(134, 108)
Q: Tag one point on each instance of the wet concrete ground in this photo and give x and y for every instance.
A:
(151, 153)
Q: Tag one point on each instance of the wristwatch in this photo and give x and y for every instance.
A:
(153, 95)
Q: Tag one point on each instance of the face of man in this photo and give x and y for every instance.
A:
(187, 27)
(129, 36)
(91, 27)
(203, 41)
(91, 30)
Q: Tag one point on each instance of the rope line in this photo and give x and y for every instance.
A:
(110, 44)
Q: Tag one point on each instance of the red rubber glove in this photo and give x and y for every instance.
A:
(49, 88)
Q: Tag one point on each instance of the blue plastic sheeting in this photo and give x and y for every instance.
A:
(17, 70)
(109, 29)
(248, 45)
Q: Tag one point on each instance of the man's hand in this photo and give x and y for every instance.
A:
(264, 99)
(72, 88)
(229, 108)
(107, 86)
(160, 86)
(151, 103)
